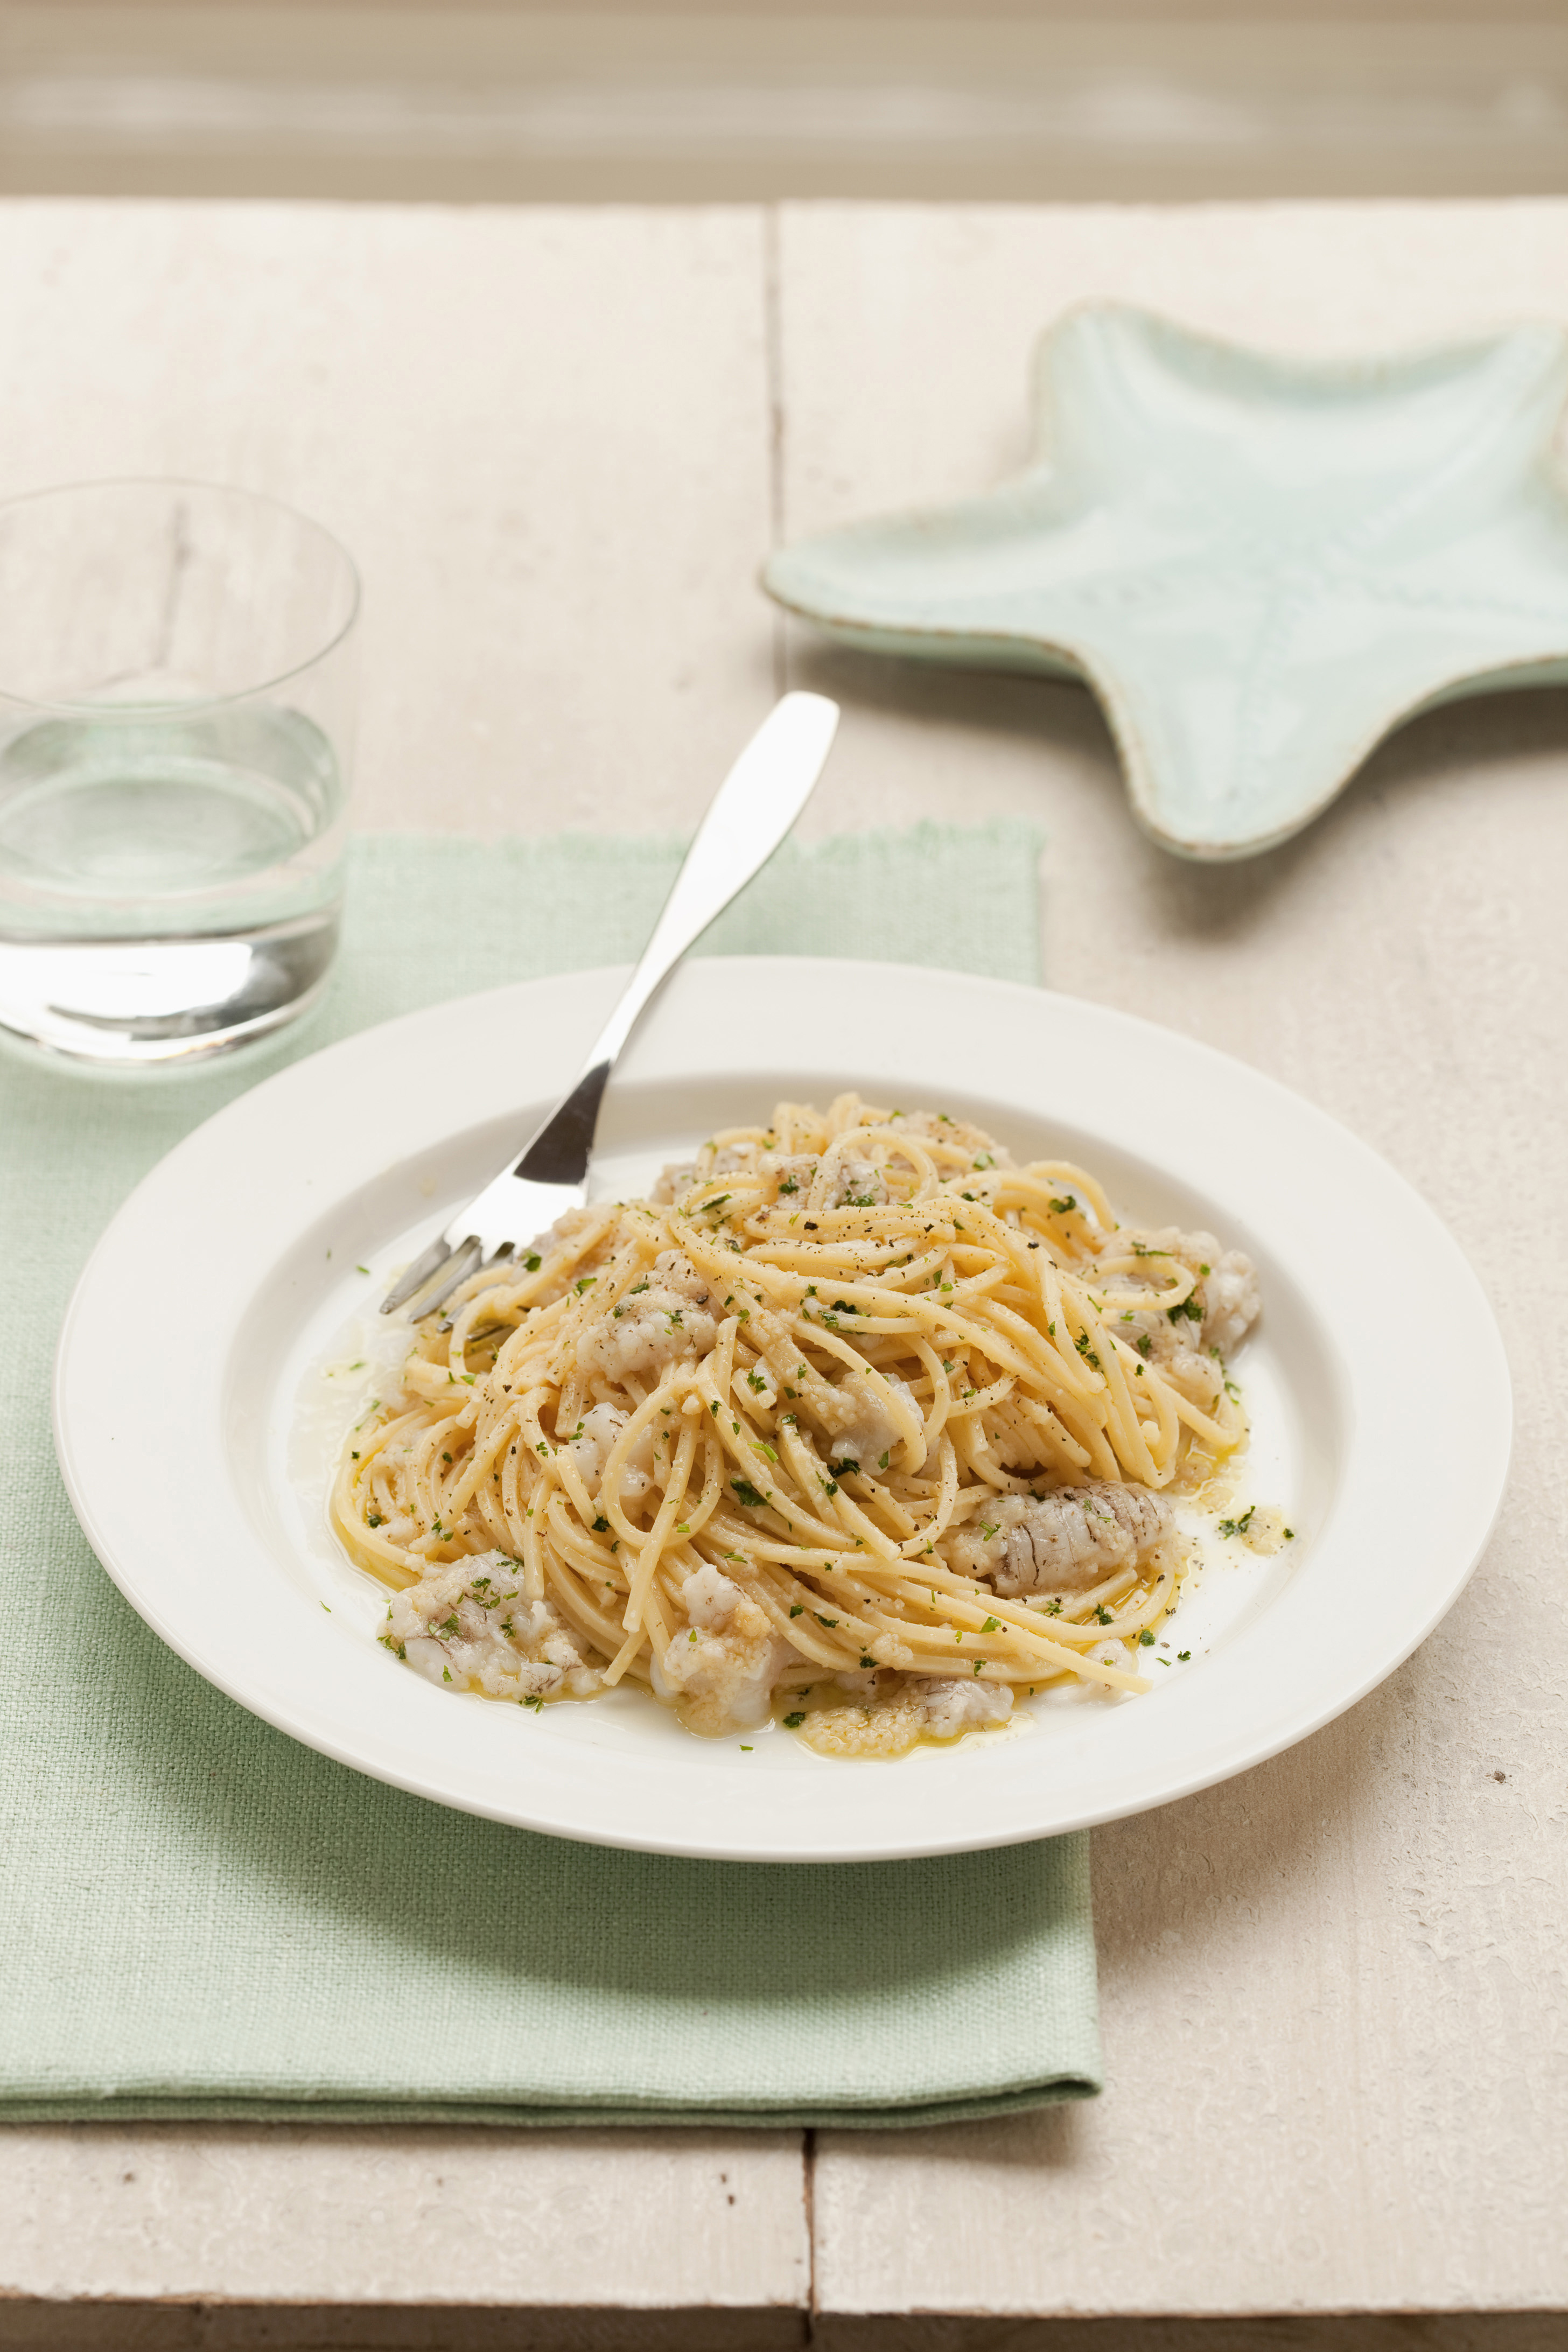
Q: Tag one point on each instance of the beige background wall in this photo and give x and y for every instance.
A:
(746, 98)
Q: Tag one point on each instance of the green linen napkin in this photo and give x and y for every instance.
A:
(203, 1920)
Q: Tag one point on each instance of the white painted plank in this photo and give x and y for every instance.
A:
(326, 2215)
(543, 436)
(1334, 1990)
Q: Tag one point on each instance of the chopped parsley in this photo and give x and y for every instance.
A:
(749, 1495)
(793, 1722)
(1238, 1526)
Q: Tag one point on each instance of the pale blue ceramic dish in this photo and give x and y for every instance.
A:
(1259, 566)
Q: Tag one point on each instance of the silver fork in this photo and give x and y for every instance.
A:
(748, 815)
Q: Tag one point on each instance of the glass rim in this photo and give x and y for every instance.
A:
(191, 703)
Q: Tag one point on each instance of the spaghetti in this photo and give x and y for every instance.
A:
(852, 1422)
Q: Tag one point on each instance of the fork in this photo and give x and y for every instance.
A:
(748, 815)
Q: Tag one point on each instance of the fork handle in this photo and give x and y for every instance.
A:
(748, 815)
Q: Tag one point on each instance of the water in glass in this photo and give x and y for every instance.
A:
(171, 850)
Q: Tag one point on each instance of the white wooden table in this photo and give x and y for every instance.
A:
(560, 443)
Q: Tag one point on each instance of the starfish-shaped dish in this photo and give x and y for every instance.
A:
(1259, 565)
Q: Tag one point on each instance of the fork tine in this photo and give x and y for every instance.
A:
(464, 1273)
(425, 1268)
(462, 1263)
(439, 1259)
(414, 1278)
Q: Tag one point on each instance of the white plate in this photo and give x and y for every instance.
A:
(204, 1377)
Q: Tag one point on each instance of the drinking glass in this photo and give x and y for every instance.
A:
(176, 734)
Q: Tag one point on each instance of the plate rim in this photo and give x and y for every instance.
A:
(1293, 1721)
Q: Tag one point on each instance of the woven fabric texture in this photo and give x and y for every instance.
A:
(203, 1919)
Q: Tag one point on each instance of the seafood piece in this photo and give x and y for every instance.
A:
(466, 1625)
(1058, 1543)
(664, 1316)
(720, 1672)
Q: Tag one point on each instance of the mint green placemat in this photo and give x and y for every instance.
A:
(203, 1919)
